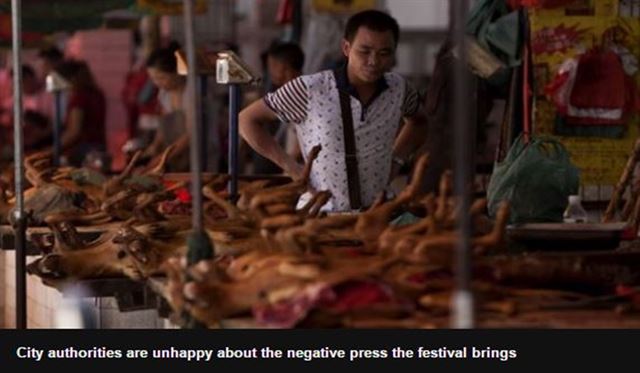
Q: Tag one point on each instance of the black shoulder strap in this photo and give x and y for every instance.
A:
(351, 159)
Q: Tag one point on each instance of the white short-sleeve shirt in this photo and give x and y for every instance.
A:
(312, 103)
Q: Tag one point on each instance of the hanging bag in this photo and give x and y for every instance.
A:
(496, 29)
(536, 178)
(350, 153)
(599, 94)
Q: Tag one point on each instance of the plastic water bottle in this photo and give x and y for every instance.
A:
(575, 213)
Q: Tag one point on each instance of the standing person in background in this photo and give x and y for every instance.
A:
(38, 113)
(84, 124)
(284, 63)
(48, 60)
(139, 96)
(174, 128)
(34, 97)
(381, 104)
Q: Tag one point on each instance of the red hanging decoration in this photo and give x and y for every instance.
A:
(285, 12)
(539, 3)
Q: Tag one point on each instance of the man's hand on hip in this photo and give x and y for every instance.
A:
(293, 169)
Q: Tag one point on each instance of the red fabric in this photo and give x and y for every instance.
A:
(632, 101)
(539, 3)
(93, 106)
(288, 312)
(625, 290)
(285, 12)
(357, 294)
(175, 207)
(629, 292)
(629, 234)
(28, 37)
(419, 278)
(135, 81)
(576, 121)
(183, 195)
(422, 278)
(600, 81)
(595, 80)
(344, 297)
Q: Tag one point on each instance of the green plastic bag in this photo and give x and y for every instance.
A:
(536, 178)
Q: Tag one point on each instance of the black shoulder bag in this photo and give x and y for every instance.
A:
(351, 160)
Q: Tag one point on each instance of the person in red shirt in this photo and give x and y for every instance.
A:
(85, 115)
(34, 98)
(48, 59)
(139, 97)
(38, 110)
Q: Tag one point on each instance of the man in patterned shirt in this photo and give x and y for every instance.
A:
(383, 106)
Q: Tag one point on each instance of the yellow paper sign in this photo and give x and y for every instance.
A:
(583, 8)
(343, 6)
(556, 38)
(168, 7)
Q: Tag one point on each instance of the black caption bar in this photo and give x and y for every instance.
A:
(494, 350)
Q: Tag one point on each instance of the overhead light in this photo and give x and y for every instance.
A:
(226, 65)
(56, 83)
(230, 69)
(205, 62)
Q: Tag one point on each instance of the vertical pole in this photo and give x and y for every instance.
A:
(193, 108)
(234, 106)
(199, 246)
(57, 125)
(526, 67)
(18, 157)
(204, 125)
(463, 316)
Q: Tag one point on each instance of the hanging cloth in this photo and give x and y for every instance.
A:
(285, 12)
(497, 29)
(539, 3)
(601, 93)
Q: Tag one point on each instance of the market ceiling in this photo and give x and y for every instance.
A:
(41, 17)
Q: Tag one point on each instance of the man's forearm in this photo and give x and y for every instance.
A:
(182, 143)
(71, 134)
(69, 138)
(252, 123)
(266, 145)
(410, 138)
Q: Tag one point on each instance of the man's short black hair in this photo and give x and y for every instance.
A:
(373, 20)
(51, 54)
(164, 59)
(289, 53)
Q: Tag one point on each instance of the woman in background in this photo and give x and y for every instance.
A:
(174, 128)
(85, 114)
